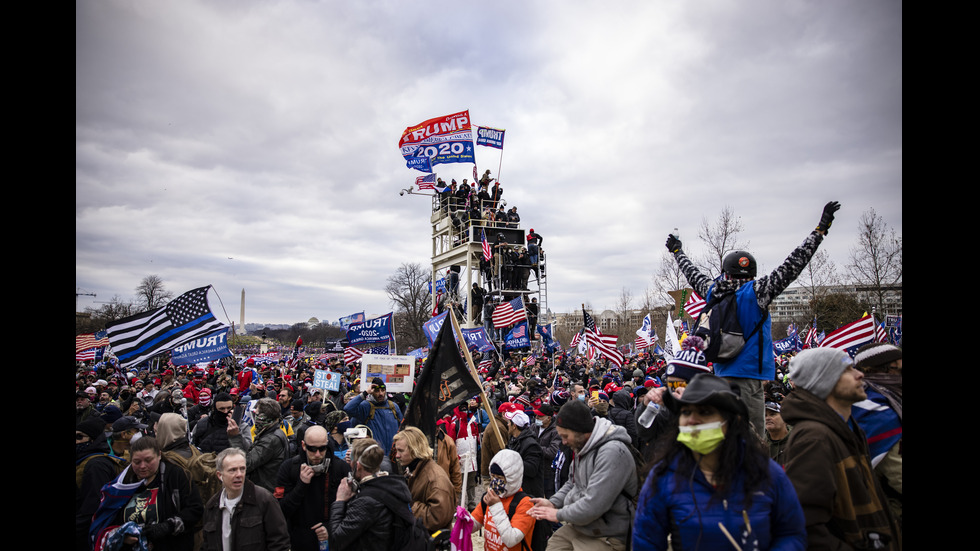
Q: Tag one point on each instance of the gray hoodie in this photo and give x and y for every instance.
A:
(596, 500)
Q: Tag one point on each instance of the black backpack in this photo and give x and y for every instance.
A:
(542, 528)
(723, 335)
(409, 532)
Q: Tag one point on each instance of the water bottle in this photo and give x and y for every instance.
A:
(325, 545)
(649, 414)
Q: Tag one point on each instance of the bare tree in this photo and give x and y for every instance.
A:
(95, 319)
(624, 305)
(719, 238)
(151, 293)
(876, 259)
(666, 279)
(408, 290)
(819, 277)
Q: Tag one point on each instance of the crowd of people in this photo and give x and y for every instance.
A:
(291, 465)
(742, 451)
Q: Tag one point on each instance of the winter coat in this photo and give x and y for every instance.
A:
(689, 511)
(384, 424)
(549, 441)
(827, 461)
(257, 522)
(621, 413)
(304, 505)
(490, 444)
(176, 497)
(526, 444)
(209, 437)
(432, 495)
(597, 497)
(263, 458)
(448, 458)
(363, 522)
(97, 469)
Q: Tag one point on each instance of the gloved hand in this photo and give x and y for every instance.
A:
(827, 218)
(673, 244)
(157, 530)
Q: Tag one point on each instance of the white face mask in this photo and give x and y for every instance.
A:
(539, 422)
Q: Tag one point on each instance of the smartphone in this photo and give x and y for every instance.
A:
(595, 395)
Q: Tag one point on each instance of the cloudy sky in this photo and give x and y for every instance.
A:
(254, 144)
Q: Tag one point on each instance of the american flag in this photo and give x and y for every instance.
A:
(854, 334)
(642, 342)
(140, 337)
(694, 305)
(530, 360)
(487, 253)
(509, 313)
(575, 338)
(811, 335)
(426, 182)
(90, 340)
(486, 364)
(605, 344)
(90, 354)
(881, 335)
(351, 355)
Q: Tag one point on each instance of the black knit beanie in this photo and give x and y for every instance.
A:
(575, 416)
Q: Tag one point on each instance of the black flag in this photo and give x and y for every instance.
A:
(444, 383)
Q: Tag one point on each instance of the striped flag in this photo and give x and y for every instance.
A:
(605, 344)
(642, 342)
(351, 355)
(90, 340)
(487, 253)
(90, 354)
(426, 182)
(851, 336)
(575, 338)
(485, 365)
(509, 313)
(140, 337)
(694, 305)
(811, 335)
(881, 335)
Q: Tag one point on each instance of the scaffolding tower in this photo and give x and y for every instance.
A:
(457, 247)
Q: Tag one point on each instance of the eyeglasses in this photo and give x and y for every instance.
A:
(317, 449)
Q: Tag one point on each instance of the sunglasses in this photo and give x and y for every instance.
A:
(316, 449)
(80, 435)
(674, 385)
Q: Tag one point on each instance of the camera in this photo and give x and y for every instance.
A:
(354, 433)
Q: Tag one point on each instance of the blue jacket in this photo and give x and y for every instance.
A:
(682, 508)
(383, 425)
(747, 365)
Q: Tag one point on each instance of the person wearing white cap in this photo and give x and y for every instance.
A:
(827, 456)
(524, 440)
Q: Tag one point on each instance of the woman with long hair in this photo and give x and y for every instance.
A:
(712, 485)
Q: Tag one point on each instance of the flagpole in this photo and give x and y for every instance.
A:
(500, 163)
(476, 376)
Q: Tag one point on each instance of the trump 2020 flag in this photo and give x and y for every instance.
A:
(140, 337)
(444, 383)
(447, 139)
